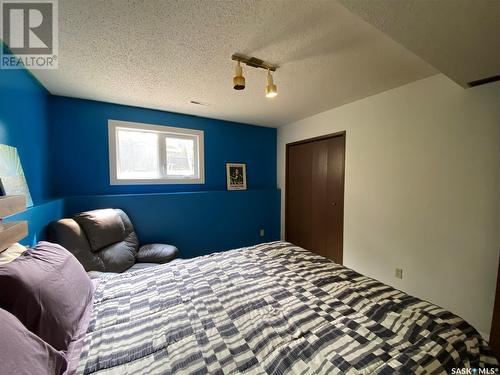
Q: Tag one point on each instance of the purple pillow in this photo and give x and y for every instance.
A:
(25, 353)
(48, 290)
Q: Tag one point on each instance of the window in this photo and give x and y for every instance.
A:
(152, 154)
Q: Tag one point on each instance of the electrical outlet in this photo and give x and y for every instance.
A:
(262, 233)
(399, 273)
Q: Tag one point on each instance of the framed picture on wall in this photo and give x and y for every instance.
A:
(236, 175)
(12, 180)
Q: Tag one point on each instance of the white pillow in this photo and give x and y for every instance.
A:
(11, 253)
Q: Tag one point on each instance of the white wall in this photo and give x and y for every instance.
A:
(422, 190)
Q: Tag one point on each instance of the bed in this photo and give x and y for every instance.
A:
(269, 309)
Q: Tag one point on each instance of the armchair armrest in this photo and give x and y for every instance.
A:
(156, 253)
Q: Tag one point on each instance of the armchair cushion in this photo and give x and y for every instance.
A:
(135, 267)
(68, 234)
(117, 257)
(141, 266)
(102, 227)
(156, 253)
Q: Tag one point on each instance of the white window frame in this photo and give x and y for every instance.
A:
(113, 125)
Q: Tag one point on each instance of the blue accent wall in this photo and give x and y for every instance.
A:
(24, 125)
(197, 223)
(80, 153)
(197, 218)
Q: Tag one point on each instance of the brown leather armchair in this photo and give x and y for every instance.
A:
(105, 241)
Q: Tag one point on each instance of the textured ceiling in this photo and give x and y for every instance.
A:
(461, 38)
(163, 54)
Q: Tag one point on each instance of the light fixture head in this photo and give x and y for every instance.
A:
(271, 89)
(239, 80)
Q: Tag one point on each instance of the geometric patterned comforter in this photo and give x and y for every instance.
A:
(269, 309)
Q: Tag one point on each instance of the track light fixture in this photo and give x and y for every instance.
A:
(271, 89)
(239, 80)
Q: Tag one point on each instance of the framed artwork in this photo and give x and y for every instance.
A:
(12, 179)
(236, 175)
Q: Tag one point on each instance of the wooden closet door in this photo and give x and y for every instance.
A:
(335, 199)
(299, 209)
(319, 197)
(315, 195)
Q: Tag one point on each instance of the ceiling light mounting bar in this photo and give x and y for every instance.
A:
(254, 62)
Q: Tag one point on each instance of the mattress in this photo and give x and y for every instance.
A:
(273, 308)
